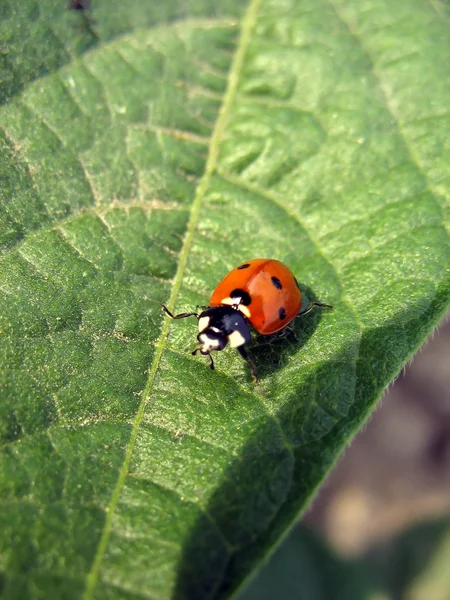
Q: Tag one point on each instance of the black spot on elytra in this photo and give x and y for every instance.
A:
(277, 283)
(282, 313)
(243, 295)
(296, 282)
(244, 266)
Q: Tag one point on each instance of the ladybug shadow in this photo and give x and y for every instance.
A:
(270, 478)
(86, 25)
(271, 352)
(251, 505)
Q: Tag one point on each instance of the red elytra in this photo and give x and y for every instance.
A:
(273, 291)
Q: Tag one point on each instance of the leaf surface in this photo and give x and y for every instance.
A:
(145, 155)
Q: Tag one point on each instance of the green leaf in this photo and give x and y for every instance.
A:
(304, 568)
(146, 149)
(414, 563)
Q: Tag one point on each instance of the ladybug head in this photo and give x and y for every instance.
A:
(222, 325)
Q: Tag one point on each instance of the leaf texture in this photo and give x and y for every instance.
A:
(145, 155)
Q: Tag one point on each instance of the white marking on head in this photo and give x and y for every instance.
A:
(207, 343)
(203, 323)
(236, 339)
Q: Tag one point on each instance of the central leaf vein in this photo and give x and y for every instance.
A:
(211, 164)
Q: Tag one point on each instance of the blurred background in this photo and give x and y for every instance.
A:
(380, 524)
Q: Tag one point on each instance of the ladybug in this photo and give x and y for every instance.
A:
(261, 293)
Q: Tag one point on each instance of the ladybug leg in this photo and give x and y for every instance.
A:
(243, 352)
(211, 362)
(180, 316)
(264, 340)
(311, 305)
(202, 307)
(291, 331)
